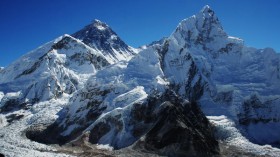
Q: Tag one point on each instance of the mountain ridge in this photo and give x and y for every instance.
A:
(145, 100)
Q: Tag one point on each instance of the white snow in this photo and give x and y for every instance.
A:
(133, 96)
(113, 37)
(232, 71)
(100, 27)
(3, 121)
(227, 131)
(229, 68)
(8, 96)
(13, 94)
(14, 143)
(126, 87)
(52, 70)
(104, 147)
(1, 95)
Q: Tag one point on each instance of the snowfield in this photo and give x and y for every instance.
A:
(230, 136)
(13, 142)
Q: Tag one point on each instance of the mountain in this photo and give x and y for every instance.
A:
(100, 36)
(62, 65)
(205, 64)
(119, 105)
(56, 68)
(198, 92)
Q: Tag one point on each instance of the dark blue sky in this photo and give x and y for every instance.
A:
(27, 24)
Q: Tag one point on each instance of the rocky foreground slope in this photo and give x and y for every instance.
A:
(91, 88)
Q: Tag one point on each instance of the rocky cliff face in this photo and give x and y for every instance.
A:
(261, 113)
(186, 121)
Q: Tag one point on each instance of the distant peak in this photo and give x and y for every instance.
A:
(98, 35)
(66, 35)
(203, 26)
(96, 21)
(207, 10)
(99, 24)
(206, 16)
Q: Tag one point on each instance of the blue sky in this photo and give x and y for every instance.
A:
(27, 24)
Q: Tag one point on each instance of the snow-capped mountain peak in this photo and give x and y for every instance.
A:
(100, 36)
(208, 16)
(204, 31)
(203, 23)
(100, 25)
(203, 18)
(207, 10)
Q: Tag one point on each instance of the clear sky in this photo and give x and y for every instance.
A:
(27, 24)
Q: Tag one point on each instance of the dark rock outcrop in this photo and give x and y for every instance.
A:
(180, 129)
(256, 111)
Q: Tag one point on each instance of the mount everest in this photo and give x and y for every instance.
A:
(198, 92)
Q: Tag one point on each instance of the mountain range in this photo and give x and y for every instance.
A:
(198, 92)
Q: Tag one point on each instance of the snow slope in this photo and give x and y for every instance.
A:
(227, 132)
(13, 143)
(60, 66)
(111, 89)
